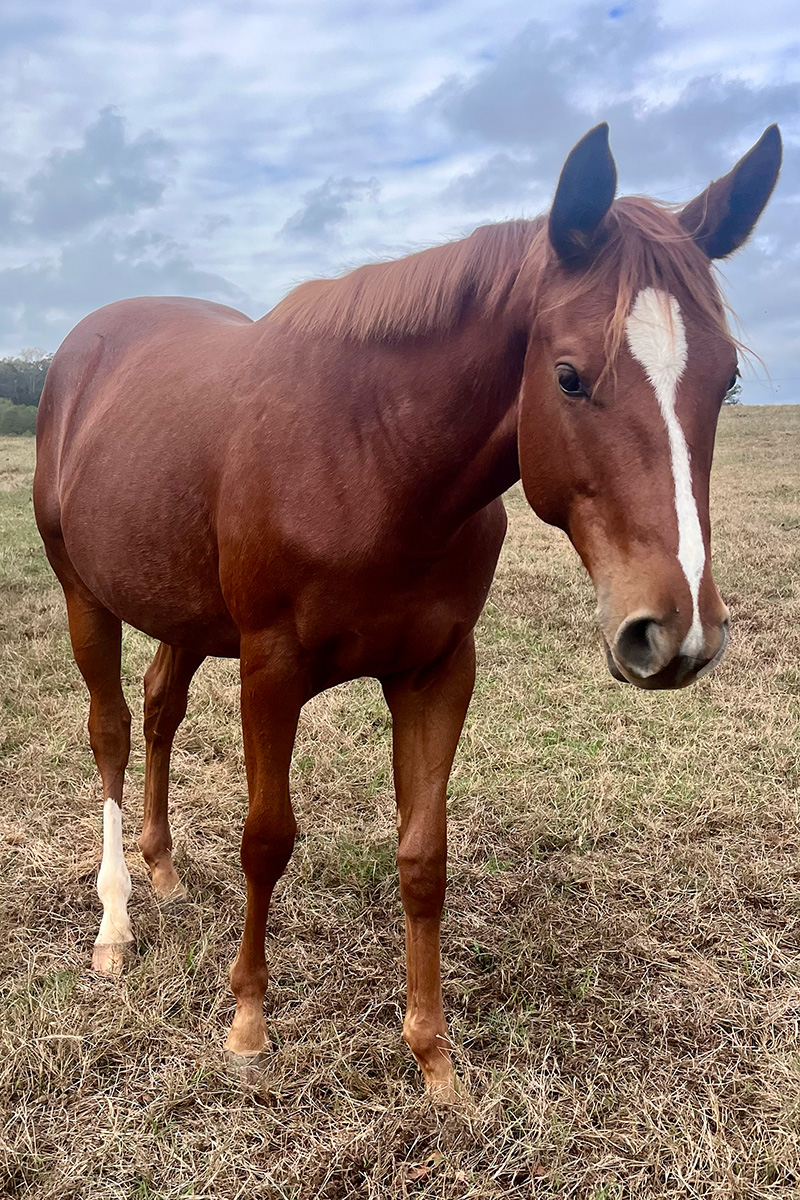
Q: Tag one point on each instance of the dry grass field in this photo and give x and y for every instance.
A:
(622, 932)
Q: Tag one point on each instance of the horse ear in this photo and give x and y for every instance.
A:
(584, 195)
(722, 217)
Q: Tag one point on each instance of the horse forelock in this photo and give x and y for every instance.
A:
(644, 246)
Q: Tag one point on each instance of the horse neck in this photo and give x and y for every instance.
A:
(449, 415)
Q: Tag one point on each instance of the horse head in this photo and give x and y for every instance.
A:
(627, 366)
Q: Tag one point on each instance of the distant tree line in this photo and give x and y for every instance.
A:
(21, 383)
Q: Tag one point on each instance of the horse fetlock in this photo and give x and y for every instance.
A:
(248, 1032)
(430, 1044)
(113, 884)
(248, 981)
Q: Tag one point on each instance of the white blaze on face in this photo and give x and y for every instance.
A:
(113, 881)
(657, 339)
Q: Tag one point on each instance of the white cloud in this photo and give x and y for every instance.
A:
(108, 174)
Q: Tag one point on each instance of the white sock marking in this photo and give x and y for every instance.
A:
(657, 339)
(113, 881)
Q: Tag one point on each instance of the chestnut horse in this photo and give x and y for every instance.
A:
(318, 493)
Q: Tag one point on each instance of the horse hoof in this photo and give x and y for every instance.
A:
(109, 958)
(246, 1067)
(447, 1092)
(175, 901)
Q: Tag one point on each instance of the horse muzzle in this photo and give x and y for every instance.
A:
(647, 652)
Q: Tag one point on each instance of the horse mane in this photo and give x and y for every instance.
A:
(428, 293)
(423, 294)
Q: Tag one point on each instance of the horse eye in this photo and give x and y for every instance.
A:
(569, 380)
(732, 383)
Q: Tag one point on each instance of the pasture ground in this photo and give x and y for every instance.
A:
(622, 933)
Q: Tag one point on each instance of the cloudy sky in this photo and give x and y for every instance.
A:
(234, 148)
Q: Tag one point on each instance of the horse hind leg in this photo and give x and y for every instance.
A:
(166, 688)
(96, 636)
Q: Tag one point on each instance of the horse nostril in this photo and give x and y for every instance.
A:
(638, 646)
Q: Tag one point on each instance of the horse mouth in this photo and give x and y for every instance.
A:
(612, 666)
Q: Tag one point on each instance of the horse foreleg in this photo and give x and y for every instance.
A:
(270, 710)
(428, 710)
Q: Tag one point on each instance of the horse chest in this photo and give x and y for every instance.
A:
(376, 621)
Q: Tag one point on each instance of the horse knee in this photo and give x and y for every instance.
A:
(110, 734)
(266, 849)
(423, 877)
